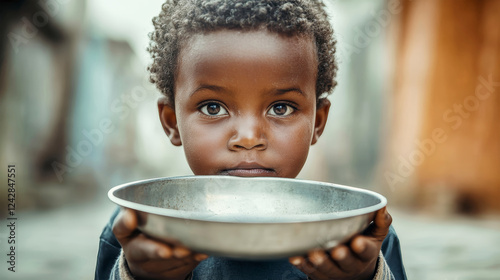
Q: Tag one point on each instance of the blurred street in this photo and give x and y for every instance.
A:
(65, 244)
(457, 248)
(58, 244)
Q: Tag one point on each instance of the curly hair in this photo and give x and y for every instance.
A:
(179, 19)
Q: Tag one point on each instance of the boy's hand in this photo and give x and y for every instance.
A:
(150, 259)
(354, 260)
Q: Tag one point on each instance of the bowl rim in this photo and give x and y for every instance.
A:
(195, 216)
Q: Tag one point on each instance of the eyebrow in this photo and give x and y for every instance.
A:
(286, 90)
(277, 92)
(209, 87)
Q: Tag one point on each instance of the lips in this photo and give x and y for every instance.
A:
(249, 169)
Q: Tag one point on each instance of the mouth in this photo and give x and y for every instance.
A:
(249, 169)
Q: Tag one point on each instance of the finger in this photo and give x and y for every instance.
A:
(380, 227)
(181, 263)
(161, 266)
(307, 267)
(181, 252)
(312, 270)
(168, 269)
(180, 270)
(171, 270)
(125, 225)
(344, 258)
(142, 249)
(296, 260)
(200, 257)
(324, 263)
(364, 248)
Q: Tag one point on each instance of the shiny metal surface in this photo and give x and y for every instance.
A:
(248, 218)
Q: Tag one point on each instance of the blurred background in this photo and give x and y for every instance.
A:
(414, 117)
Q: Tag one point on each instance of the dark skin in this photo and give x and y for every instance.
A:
(245, 105)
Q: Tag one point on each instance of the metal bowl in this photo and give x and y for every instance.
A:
(248, 218)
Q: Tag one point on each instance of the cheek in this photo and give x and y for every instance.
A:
(202, 143)
(299, 134)
(295, 141)
(198, 134)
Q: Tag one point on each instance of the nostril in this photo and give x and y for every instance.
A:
(247, 137)
(260, 146)
(249, 147)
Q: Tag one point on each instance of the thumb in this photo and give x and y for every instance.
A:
(380, 226)
(125, 225)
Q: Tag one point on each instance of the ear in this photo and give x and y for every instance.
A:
(320, 122)
(169, 120)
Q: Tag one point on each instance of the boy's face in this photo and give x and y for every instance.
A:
(245, 103)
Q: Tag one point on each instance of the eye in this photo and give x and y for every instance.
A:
(281, 109)
(213, 109)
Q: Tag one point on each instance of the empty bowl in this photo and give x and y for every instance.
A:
(248, 218)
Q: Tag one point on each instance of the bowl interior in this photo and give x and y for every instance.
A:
(251, 200)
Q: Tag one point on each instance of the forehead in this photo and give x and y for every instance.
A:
(265, 56)
(262, 40)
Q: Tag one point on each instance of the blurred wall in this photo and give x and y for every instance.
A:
(444, 147)
(39, 51)
(350, 148)
(77, 109)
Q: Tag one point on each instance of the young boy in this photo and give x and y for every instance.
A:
(244, 85)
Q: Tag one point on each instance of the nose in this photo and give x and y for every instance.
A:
(248, 134)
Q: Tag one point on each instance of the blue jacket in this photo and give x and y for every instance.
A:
(223, 268)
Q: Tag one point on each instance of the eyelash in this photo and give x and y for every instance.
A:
(205, 104)
(288, 105)
(202, 108)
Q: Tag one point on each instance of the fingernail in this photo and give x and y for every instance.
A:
(180, 252)
(295, 261)
(361, 245)
(128, 219)
(316, 258)
(339, 254)
(164, 253)
(200, 257)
